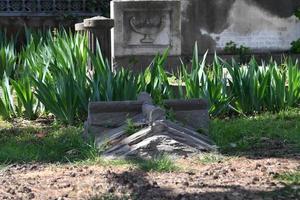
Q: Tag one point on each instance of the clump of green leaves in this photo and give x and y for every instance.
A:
(207, 83)
(131, 128)
(295, 46)
(155, 79)
(242, 51)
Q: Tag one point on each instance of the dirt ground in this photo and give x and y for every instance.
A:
(234, 178)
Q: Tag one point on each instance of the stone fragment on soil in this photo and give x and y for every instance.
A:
(155, 134)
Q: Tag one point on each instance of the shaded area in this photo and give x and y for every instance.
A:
(282, 8)
(237, 178)
(139, 187)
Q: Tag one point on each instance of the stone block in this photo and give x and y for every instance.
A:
(146, 27)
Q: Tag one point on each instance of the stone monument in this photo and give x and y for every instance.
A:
(146, 27)
(151, 130)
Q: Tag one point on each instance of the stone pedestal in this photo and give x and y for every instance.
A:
(146, 27)
(98, 29)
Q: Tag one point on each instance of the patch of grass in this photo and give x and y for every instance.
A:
(130, 128)
(100, 161)
(33, 144)
(2, 167)
(242, 134)
(4, 124)
(290, 177)
(161, 163)
(210, 158)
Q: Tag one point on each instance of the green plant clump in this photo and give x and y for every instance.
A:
(161, 163)
(242, 51)
(48, 75)
(295, 46)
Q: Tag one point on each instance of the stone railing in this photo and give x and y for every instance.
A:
(50, 7)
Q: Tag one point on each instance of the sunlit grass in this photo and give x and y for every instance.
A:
(241, 134)
(290, 177)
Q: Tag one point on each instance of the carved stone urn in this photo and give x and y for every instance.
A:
(148, 26)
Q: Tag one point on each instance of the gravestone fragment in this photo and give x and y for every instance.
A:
(153, 132)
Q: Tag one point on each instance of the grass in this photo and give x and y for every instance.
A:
(248, 133)
(210, 158)
(63, 144)
(32, 144)
(161, 163)
(290, 177)
(57, 143)
(130, 127)
(2, 167)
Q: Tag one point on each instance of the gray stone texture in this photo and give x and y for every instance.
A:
(263, 25)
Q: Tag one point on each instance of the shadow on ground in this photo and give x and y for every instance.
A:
(138, 187)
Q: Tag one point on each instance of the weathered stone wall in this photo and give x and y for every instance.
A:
(14, 23)
(262, 25)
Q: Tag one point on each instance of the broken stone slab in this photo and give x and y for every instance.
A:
(152, 147)
(153, 113)
(144, 97)
(110, 119)
(191, 113)
(108, 134)
(155, 133)
(189, 131)
(140, 141)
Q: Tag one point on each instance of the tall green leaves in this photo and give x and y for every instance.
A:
(155, 79)
(247, 89)
(50, 75)
(207, 82)
(265, 87)
(7, 106)
(8, 60)
(63, 87)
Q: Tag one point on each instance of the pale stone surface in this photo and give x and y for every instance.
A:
(146, 27)
(162, 138)
(152, 147)
(262, 25)
(257, 29)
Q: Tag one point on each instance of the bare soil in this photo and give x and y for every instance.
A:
(234, 178)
